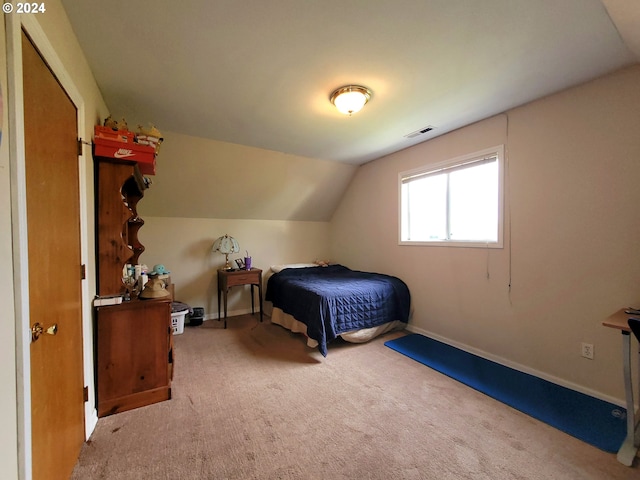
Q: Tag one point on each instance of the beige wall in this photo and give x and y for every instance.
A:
(571, 246)
(183, 245)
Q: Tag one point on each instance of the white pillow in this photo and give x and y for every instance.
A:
(278, 268)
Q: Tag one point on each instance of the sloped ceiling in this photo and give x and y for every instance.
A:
(259, 73)
(201, 178)
(625, 14)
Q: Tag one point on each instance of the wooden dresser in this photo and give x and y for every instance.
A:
(133, 340)
(134, 352)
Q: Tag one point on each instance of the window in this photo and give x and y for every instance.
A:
(454, 203)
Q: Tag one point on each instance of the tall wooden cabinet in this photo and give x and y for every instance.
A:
(133, 340)
(119, 187)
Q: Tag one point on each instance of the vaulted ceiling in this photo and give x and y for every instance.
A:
(259, 73)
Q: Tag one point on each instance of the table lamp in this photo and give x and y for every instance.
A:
(226, 245)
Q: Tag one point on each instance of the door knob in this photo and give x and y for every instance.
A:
(37, 329)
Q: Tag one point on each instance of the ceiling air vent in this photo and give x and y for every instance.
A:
(419, 132)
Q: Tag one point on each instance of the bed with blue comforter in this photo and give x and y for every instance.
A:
(335, 300)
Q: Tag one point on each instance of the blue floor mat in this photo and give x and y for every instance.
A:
(599, 423)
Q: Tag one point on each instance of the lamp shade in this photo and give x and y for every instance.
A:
(226, 245)
(350, 99)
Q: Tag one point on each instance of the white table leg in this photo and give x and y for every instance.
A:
(629, 448)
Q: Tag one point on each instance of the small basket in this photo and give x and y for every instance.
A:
(194, 319)
(177, 321)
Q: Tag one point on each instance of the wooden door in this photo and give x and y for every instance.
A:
(55, 295)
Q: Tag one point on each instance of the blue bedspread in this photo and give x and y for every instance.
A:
(335, 299)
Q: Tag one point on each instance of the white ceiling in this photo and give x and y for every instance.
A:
(259, 73)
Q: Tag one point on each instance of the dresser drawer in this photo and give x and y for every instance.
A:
(243, 279)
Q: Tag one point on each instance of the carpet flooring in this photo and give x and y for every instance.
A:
(599, 423)
(253, 402)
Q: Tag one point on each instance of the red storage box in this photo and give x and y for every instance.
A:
(147, 168)
(108, 133)
(143, 154)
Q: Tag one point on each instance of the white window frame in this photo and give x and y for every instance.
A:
(498, 152)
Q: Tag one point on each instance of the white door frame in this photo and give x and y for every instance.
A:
(13, 26)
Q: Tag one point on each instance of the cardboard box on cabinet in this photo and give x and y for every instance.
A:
(108, 133)
(143, 154)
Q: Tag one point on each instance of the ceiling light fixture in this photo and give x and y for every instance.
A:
(350, 99)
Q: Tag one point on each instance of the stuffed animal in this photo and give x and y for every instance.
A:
(110, 123)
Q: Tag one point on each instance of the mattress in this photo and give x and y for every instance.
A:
(334, 301)
(363, 335)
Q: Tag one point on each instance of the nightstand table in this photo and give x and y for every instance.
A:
(232, 278)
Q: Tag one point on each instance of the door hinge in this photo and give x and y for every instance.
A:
(85, 394)
(83, 272)
(80, 143)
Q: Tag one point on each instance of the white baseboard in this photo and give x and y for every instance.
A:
(519, 367)
(231, 313)
(90, 422)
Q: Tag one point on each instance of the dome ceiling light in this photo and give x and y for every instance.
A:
(350, 99)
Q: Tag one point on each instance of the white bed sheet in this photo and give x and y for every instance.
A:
(358, 336)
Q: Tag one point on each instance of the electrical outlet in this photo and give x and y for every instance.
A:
(587, 350)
